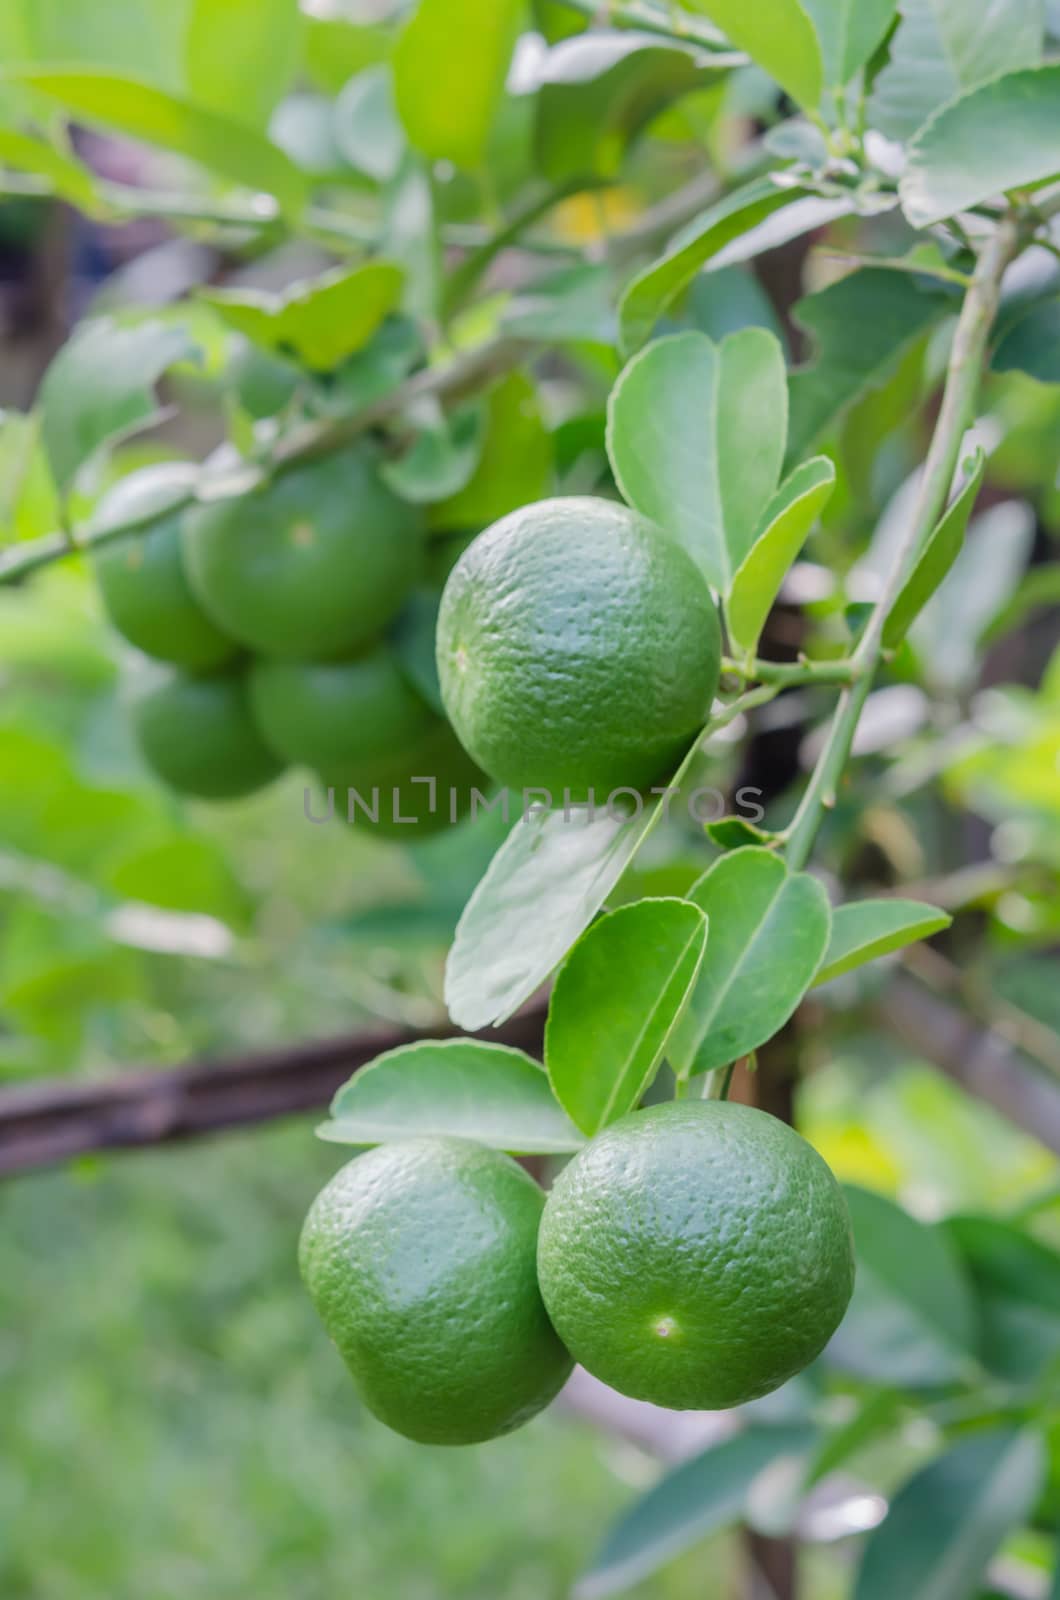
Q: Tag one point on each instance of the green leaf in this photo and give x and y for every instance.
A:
(865, 929)
(442, 457)
(367, 130)
(768, 931)
(849, 31)
(783, 531)
(888, 310)
(1017, 1285)
(695, 434)
(1004, 135)
(100, 388)
(1032, 343)
(599, 90)
(911, 1322)
(319, 321)
(515, 464)
(574, 305)
(947, 1521)
(132, 107)
(242, 55)
(614, 1004)
(937, 557)
(655, 289)
(143, 37)
(449, 70)
(67, 177)
(686, 1505)
(944, 47)
(458, 1087)
(779, 36)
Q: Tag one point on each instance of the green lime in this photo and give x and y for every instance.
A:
(141, 575)
(419, 1257)
(696, 1254)
(412, 793)
(578, 649)
(312, 565)
(330, 713)
(198, 735)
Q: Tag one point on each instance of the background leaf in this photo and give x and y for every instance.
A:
(849, 32)
(947, 1521)
(785, 525)
(938, 556)
(1032, 344)
(321, 321)
(779, 36)
(696, 439)
(911, 1322)
(242, 55)
(1004, 135)
(515, 464)
(768, 931)
(70, 180)
(863, 930)
(615, 1000)
(100, 388)
(944, 47)
(449, 70)
(366, 125)
(1017, 1285)
(687, 1505)
(459, 1087)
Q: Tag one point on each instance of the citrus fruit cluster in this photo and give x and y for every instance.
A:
(271, 610)
(696, 1254)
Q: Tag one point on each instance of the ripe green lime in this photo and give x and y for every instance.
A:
(696, 1254)
(419, 1257)
(199, 736)
(142, 579)
(411, 793)
(578, 649)
(325, 713)
(313, 565)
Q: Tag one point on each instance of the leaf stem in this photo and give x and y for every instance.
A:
(789, 674)
(963, 376)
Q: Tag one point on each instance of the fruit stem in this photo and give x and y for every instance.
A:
(792, 673)
(717, 1082)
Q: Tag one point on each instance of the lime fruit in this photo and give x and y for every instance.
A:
(412, 793)
(326, 713)
(696, 1254)
(578, 649)
(141, 575)
(312, 565)
(198, 735)
(419, 1257)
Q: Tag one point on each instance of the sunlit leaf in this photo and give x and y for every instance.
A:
(320, 321)
(242, 54)
(849, 32)
(449, 70)
(863, 930)
(782, 532)
(779, 36)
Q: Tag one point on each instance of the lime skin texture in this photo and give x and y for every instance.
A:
(322, 713)
(419, 1257)
(313, 565)
(198, 735)
(142, 578)
(696, 1254)
(578, 649)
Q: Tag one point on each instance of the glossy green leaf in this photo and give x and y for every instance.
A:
(458, 1087)
(449, 70)
(100, 388)
(1004, 135)
(912, 1320)
(942, 48)
(769, 929)
(695, 433)
(1017, 1284)
(614, 1004)
(889, 310)
(654, 290)
(366, 126)
(863, 930)
(688, 1504)
(849, 31)
(1032, 343)
(127, 105)
(66, 176)
(515, 464)
(783, 530)
(779, 36)
(242, 55)
(319, 321)
(947, 1521)
(599, 90)
(938, 556)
